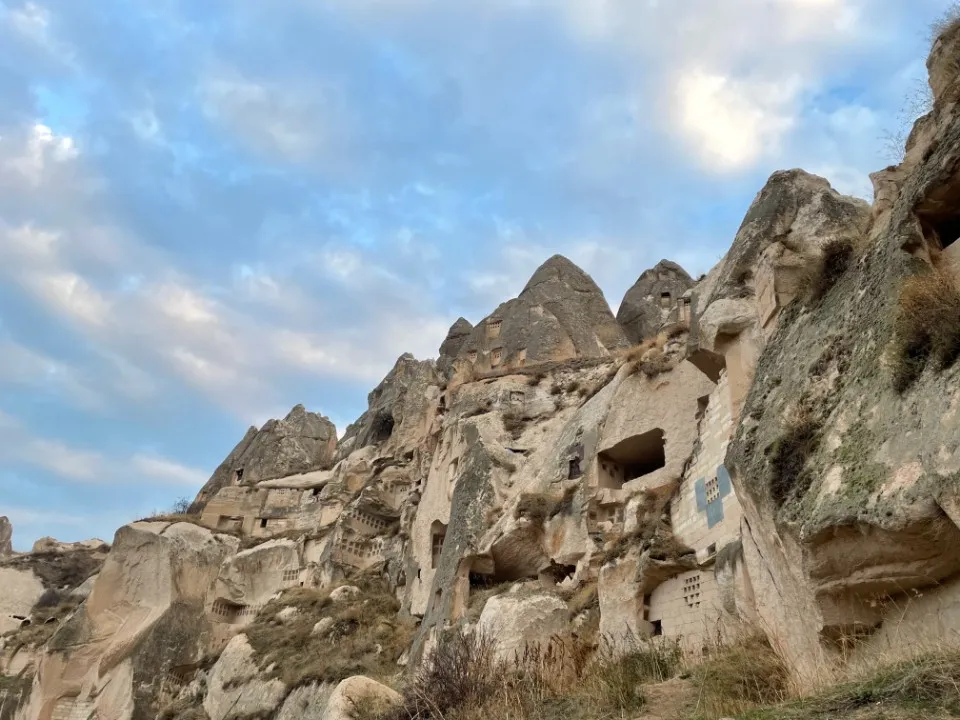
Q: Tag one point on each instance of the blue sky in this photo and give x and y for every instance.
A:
(211, 211)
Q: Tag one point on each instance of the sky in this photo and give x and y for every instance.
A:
(212, 211)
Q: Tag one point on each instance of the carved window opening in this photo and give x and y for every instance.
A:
(521, 357)
(238, 476)
(713, 490)
(657, 630)
(263, 522)
(691, 591)
(472, 356)
(438, 533)
(632, 458)
(665, 300)
(496, 356)
(493, 328)
(574, 471)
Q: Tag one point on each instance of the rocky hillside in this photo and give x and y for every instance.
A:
(736, 490)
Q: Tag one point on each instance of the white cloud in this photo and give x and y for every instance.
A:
(43, 148)
(167, 471)
(732, 123)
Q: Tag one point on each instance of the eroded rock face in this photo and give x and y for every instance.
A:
(6, 537)
(654, 300)
(235, 690)
(301, 442)
(561, 314)
(144, 617)
(848, 486)
(359, 692)
(515, 623)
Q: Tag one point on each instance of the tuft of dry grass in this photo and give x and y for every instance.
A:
(788, 454)
(536, 378)
(739, 677)
(367, 637)
(514, 423)
(833, 261)
(927, 326)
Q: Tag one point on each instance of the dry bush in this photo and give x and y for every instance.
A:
(738, 677)
(556, 389)
(655, 366)
(586, 597)
(829, 267)
(537, 507)
(537, 378)
(947, 23)
(927, 325)
(513, 423)
(620, 669)
(677, 329)
(635, 352)
(45, 619)
(60, 569)
(788, 454)
(366, 638)
(572, 386)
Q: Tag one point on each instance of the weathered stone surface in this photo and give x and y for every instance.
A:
(301, 442)
(561, 314)
(234, 689)
(6, 537)
(344, 594)
(864, 513)
(52, 545)
(397, 407)
(359, 692)
(306, 703)
(20, 590)
(644, 310)
(456, 336)
(251, 577)
(515, 623)
(144, 617)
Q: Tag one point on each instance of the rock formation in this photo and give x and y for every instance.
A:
(301, 442)
(659, 297)
(6, 537)
(561, 314)
(780, 455)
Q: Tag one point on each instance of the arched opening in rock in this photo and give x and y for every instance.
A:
(229, 611)
(438, 533)
(238, 476)
(555, 573)
(382, 428)
(631, 458)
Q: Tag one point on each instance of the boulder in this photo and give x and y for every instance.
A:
(235, 690)
(653, 300)
(344, 593)
(323, 626)
(513, 623)
(301, 442)
(358, 692)
(560, 315)
(456, 336)
(306, 703)
(252, 577)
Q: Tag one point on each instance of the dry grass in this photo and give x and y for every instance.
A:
(788, 455)
(464, 680)
(738, 677)
(514, 423)
(538, 507)
(48, 613)
(927, 326)
(60, 569)
(924, 688)
(635, 352)
(367, 637)
(536, 379)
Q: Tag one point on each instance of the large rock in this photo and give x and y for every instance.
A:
(850, 487)
(301, 442)
(561, 314)
(653, 300)
(357, 695)
(251, 577)
(397, 408)
(6, 537)
(143, 620)
(514, 623)
(456, 336)
(20, 591)
(306, 703)
(235, 690)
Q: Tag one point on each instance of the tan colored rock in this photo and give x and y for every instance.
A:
(516, 623)
(144, 617)
(359, 692)
(21, 590)
(234, 689)
(306, 703)
(6, 537)
(345, 593)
